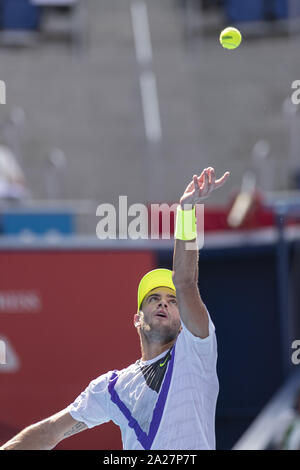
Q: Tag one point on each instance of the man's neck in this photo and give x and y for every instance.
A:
(152, 350)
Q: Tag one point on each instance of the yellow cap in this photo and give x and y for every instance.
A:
(156, 278)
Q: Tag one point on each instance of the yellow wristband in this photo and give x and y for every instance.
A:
(186, 226)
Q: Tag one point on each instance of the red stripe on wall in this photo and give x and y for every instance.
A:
(68, 317)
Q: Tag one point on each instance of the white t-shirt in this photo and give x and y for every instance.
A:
(167, 403)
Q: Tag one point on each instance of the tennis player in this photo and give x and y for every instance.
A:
(167, 399)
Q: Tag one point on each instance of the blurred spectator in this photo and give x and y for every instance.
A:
(286, 436)
(12, 180)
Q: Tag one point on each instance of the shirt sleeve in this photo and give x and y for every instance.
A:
(92, 406)
(201, 346)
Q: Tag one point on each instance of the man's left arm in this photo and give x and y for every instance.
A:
(185, 260)
(185, 277)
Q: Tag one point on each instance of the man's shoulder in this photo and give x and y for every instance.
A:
(128, 370)
(111, 374)
(188, 343)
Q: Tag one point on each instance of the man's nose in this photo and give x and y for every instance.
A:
(162, 303)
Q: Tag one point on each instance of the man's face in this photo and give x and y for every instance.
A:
(158, 318)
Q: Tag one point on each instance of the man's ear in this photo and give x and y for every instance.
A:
(137, 319)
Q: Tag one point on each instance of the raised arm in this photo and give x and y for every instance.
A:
(46, 434)
(185, 260)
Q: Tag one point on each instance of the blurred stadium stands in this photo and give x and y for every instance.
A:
(73, 135)
(25, 22)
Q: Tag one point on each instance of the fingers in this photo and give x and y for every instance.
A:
(206, 184)
(212, 176)
(207, 178)
(222, 180)
(208, 181)
(196, 183)
(201, 186)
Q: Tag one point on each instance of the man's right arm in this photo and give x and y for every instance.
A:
(46, 434)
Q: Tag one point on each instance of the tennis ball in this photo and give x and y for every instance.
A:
(230, 38)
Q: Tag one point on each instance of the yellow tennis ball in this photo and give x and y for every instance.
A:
(230, 38)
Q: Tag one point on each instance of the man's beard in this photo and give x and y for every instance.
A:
(160, 333)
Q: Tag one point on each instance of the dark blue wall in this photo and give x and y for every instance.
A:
(239, 288)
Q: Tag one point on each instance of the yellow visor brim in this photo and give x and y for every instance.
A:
(156, 278)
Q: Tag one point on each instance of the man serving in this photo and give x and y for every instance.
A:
(167, 399)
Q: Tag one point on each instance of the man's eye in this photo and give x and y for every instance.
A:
(174, 301)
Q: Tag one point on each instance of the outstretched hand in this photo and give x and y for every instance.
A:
(201, 186)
